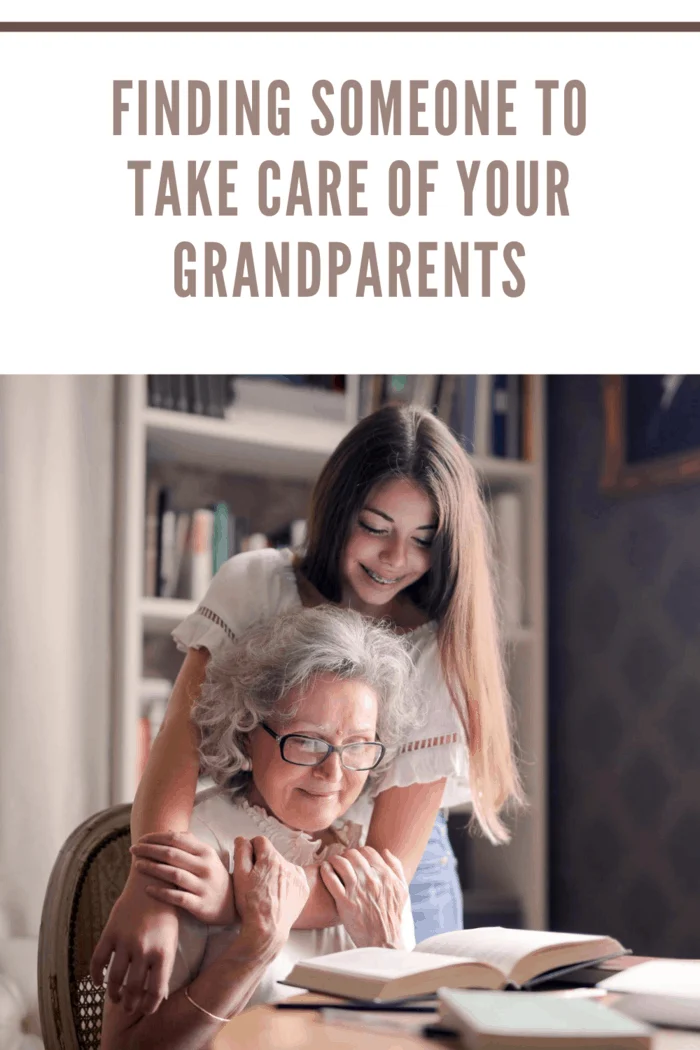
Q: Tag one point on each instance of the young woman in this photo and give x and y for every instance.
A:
(398, 531)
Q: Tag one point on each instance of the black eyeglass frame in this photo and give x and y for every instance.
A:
(330, 748)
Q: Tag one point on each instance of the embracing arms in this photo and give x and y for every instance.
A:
(270, 891)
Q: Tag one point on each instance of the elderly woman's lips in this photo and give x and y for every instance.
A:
(319, 794)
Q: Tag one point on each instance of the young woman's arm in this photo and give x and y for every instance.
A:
(142, 933)
(165, 794)
(402, 820)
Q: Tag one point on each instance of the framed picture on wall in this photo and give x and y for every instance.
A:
(652, 432)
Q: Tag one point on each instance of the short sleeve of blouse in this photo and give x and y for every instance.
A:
(247, 589)
(437, 747)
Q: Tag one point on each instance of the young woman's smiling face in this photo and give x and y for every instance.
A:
(388, 548)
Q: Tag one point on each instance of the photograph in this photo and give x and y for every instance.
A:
(652, 431)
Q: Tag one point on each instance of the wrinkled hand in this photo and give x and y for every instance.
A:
(142, 936)
(370, 892)
(189, 874)
(270, 892)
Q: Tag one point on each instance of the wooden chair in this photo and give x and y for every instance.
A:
(88, 876)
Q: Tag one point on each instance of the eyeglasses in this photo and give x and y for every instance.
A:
(300, 750)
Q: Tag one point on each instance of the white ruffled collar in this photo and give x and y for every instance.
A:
(298, 846)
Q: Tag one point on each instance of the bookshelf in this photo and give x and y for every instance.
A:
(276, 445)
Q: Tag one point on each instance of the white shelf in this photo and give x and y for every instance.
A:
(162, 615)
(504, 473)
(274, 444)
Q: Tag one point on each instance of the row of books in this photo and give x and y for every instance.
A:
(200, 395)
(185, 548)
(222, 395)
(490, 415)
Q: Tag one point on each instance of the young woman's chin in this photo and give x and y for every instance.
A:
(372, 593)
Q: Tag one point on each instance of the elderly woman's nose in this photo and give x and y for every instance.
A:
(331, 768)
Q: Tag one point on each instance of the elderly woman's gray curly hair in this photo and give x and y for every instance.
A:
(247, 686)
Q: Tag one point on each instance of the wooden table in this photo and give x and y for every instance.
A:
(265, 1028)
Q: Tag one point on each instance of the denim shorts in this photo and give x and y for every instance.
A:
(436, 896)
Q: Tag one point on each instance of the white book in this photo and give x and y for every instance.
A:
(274, 396)
(661, 991)
(508, 525)
(201, 553)
(168, 552)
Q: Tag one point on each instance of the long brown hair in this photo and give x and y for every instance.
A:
(400, 441)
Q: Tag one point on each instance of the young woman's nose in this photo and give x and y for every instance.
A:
(393, 553)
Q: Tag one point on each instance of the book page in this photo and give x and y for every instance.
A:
(501, 947)
(678, 977)
(381, 963)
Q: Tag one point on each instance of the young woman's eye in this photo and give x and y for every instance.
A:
(368, 528)
(423, 543)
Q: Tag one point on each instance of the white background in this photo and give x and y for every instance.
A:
(88, 286)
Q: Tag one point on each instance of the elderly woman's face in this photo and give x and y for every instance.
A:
(310, 798)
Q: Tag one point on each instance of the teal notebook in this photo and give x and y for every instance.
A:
(538, 1019)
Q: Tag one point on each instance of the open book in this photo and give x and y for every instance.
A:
(488, 957)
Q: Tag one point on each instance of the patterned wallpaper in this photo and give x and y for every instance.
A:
(624, 608)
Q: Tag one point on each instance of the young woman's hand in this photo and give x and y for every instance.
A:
(189, 875)
(141, 938)
(370, 892)
(270, 891)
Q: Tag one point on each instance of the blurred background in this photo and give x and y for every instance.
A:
(120, 496)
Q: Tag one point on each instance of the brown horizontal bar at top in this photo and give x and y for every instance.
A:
(349, 27)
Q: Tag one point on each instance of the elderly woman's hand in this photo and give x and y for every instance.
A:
(370, 892)
(270, 892)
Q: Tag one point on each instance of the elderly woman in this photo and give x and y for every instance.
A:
(293, 725)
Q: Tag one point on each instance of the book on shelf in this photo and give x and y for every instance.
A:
(198, 395)
(201, 557)
(490, 957)
(167, 519)
(505, 417)
(532, 1021)
(307, 399)
(660, 991)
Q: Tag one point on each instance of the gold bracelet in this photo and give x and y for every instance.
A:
(214, 1017)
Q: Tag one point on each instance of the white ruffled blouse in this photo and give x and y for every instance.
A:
(257, 585)
(217, 820)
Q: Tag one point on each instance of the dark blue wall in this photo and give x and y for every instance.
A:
(624, 693)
